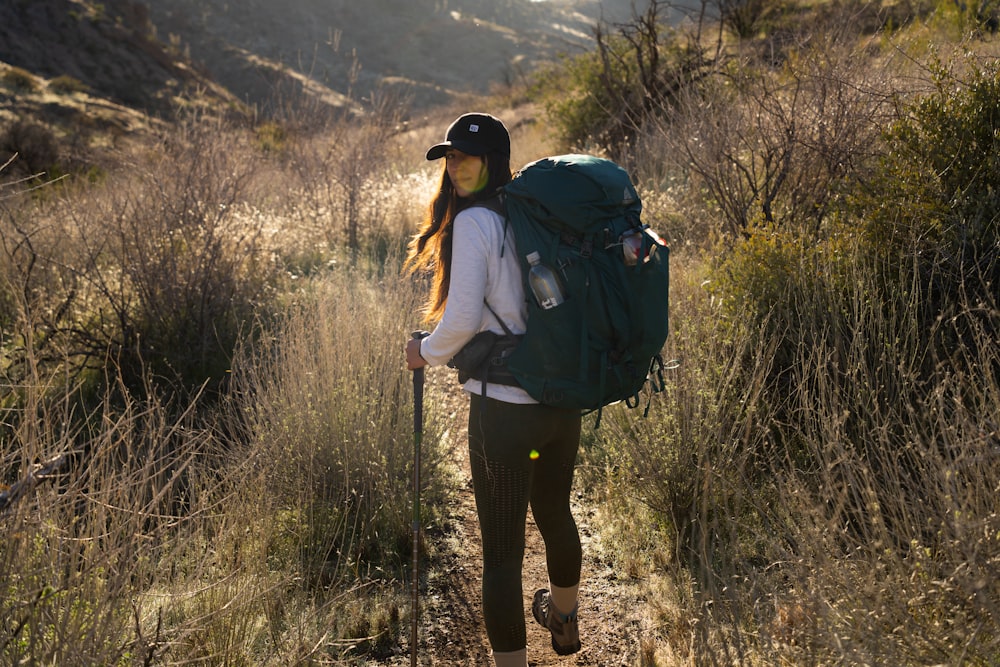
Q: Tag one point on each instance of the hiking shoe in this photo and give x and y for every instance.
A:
(564, 628)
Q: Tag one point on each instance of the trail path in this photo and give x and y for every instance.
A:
(451, 627)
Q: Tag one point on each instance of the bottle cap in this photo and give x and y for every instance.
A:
(533, 257)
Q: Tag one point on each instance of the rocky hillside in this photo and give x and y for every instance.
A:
(77, 75)
(147, 55)
(427, 49)
(107, 48)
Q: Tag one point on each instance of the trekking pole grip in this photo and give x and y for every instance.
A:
(418, 389)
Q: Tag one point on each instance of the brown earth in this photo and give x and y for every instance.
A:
(451, 627)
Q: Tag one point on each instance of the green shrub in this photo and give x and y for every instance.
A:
(929, 213)
(788, 287)
(978, 17)
(923, 215)
(574, 99)
(272, 137)
(805, 457)
(602, 99)
(743, 18)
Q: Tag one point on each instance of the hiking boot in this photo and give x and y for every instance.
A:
(564, 628)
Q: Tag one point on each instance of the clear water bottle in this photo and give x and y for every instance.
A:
(544, 283)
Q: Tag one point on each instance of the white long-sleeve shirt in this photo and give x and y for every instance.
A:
(479, 274)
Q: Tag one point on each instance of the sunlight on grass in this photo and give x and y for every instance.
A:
(207, 422)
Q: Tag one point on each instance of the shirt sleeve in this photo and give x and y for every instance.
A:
(463, 314)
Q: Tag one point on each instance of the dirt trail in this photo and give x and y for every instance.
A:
(451, 628)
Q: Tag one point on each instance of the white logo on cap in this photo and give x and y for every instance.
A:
(473, 128)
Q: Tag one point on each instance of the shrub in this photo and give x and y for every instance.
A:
(101, 530)
(183, 269)
(778, 280)
(604, 98)
(853, 484)
(272, 137)
(325, 406)
(779, 146)
(270, 525)
(896, 455)
(341, 160)
(701, 454)
(979, 17)
(19, 80)
(742, 17)
(917, 244)
(67, 85)
(827, 424)
(331, 407)
(928, 213)
(33, 144)
(159, 270)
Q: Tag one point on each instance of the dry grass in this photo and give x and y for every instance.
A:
(265, 522)
(849, 516)
(815, 486)
(821, 470)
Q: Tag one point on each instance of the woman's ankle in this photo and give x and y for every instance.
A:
(511, 658)
(564, 598)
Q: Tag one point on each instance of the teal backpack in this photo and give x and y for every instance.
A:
(581, 214)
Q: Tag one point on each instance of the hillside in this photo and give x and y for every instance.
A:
(109, 49)
(77, 76)
(426, 49)
(130, 55)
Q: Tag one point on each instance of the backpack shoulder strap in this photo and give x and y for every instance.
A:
(495, 203)
(503, 324)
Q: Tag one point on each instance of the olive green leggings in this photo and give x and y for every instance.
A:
(522, 454)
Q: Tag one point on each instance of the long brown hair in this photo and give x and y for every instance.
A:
(430, 249)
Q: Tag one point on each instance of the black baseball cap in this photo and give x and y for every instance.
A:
(475, 134)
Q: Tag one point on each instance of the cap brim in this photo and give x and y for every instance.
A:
(438, 151)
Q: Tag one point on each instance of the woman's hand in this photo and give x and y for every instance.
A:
(413, 358)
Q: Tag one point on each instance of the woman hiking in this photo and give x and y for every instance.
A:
(521, 452)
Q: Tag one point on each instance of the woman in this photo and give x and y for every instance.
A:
(520, 451)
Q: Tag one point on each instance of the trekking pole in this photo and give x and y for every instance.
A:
(418, 428)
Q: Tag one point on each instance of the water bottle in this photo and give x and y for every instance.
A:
(544, 283)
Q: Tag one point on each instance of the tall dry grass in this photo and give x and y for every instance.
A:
(254, 509)
(849, 516)
(273, 530)
(328, 408)
(818, 483)
(82, 548)
(308, 553)
(815, 486)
